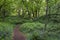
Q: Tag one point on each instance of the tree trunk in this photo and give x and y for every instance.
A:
(19, 13)
(29, 14)
(46, 14)
(3, 14)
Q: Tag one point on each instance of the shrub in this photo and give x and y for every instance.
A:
(35, 31)
(31, 29)
(6, 31)
(15, 20)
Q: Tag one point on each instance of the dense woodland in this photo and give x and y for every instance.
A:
(38, 19)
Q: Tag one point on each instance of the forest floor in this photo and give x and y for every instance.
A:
(17, 34)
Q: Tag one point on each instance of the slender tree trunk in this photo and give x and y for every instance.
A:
(4, 14)
(19, 13)
(3, 10)
(23, 14)
(33, 14)
(29, 14)
(46, 14)
(36, 14)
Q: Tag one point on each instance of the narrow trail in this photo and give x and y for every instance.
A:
(17, 35)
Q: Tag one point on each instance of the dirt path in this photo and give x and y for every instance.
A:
(17, 34)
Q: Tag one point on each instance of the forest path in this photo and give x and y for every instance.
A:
(17, 35)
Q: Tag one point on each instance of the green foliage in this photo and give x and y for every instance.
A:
(15, 20)
(31, 29)
(35, 31)
(6, 31)
(55, 18)
(31, 12)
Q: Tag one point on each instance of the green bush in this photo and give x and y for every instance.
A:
(15, 20)
(55, 18)
(31, 29)
(35, 31)
(6, 31)
(53, 31)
